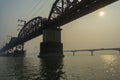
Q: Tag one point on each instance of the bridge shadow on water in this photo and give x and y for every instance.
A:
(52, 69)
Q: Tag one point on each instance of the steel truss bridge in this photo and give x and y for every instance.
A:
(62, 12)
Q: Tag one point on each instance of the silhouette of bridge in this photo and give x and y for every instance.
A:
(62, 12)
(92, 50)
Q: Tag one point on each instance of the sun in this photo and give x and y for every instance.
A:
(101, 13)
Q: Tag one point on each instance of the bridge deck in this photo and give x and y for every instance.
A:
(101, 49)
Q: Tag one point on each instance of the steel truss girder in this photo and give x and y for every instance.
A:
(60, 6)
(30, 29)
(74, 9)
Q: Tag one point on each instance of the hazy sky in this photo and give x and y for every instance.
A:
(90, 31)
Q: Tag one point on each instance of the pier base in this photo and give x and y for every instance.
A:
(51, 49)
(17, 51)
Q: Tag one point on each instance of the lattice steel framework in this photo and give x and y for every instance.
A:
(62, 12)
(31, 29)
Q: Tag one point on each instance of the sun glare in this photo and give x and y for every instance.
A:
(101, 13)
(108, 58)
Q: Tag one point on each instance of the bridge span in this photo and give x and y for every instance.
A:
(92, 50)
(62, 12)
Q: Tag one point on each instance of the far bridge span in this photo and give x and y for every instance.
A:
(92, 50)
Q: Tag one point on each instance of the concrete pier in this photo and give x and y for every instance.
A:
(17, 51)
(51, 45)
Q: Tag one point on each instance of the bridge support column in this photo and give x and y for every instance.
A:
(73, 53)
(91, 53)
(51, 45)
(19, 50)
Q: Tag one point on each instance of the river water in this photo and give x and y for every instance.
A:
(98, 67)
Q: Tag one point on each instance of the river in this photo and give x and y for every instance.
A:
(98, 67)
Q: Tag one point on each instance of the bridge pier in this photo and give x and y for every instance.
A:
(73, 53)
(91, 53)
(18, 51)
(51, 45)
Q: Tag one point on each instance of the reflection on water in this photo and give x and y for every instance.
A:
(105, 67)
(109, 59)
(52, 69)
(31, 69)
(111, 66)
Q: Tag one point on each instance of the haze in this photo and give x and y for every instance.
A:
(90, 31)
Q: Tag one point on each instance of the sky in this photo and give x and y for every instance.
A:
(90, 31)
